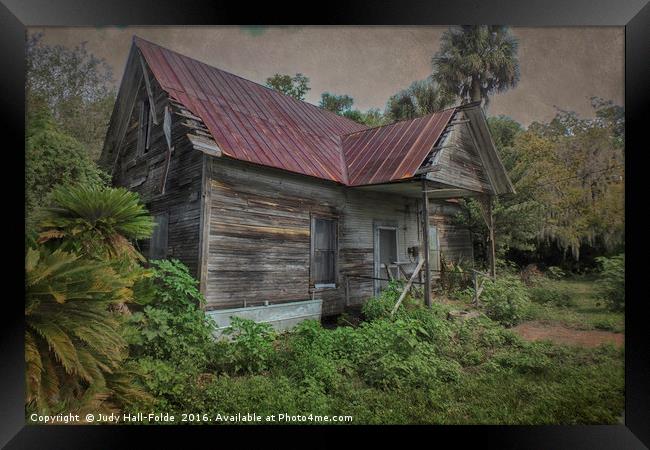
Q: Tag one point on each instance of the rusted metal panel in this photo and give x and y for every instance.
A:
(392, 152)
(251, 122)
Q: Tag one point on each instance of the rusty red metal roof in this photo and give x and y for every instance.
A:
(253, 123)
(392, 152)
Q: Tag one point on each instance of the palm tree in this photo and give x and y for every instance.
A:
(476, 61)
(99, 223)
(73, 350)
(422, 97)
(81, 267)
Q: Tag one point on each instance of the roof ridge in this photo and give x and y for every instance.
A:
(267, 127)
(274, 91)
(401, 120)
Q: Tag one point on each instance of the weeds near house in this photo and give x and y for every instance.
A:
(612, 281)
(416, 367)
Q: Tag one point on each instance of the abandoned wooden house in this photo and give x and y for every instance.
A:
(271, 200)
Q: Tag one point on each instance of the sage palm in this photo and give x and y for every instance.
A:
(73, 351)
(100, 223)
(476, 61)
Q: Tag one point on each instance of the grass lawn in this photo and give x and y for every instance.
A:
(588, 311)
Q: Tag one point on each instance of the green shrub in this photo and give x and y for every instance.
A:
(251, 349)
(171, 325)
(314, 356)
(506, 267)
(612, 281)
(170, 337)
(505, 299)
(607, 324)
(393, 355)
(54, 158)
(381, 307)
(527, 359)
(555, 273)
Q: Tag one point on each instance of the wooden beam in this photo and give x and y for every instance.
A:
(123, 125)
(168, 161)
(485, 206)
(152, 103)
(493, 269)
(408, 286)
(425, 240)
(205, 145)
(204, 220)
(347, 290)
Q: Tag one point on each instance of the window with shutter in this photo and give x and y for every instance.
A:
(323, 252)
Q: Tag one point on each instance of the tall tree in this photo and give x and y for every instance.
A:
(420, 98)
(53, 157)
(476, 61)
(338, 104)
(75, 85)
(342, 105)
(569, 178)
(296, 86)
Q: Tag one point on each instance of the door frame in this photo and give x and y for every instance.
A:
(434, 254)
(382, 225)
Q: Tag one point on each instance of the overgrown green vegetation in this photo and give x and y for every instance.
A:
(415, 367)
(52, 158)
(581, 306)
(569, 178)
(75, 87)
(505, 299)
(108, 331)
(612, 281)
(75, 354)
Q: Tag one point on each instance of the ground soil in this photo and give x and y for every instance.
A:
(539, 331)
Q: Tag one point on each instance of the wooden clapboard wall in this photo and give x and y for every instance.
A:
(458, 162)
(243, 229)
(455, 241)
(259, 235)
(144, 173)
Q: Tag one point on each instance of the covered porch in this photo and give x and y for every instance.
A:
(428, 192)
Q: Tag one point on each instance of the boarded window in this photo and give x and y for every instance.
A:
(144, 135)
(323, 252)
(158, 242)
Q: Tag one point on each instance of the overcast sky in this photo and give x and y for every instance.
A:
(560, 67)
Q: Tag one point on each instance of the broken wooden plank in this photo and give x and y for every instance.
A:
(206, 146)
(408, 286)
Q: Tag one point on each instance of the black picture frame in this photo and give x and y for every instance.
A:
(634, 15)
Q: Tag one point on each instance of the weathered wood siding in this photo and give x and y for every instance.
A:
(259, 235)
(459, 163)
(143, 173)
(455, 241)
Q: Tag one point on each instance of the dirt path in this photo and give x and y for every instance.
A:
(538, 331)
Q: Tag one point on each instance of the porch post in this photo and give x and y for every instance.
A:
(425, 241)
(490, 215)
